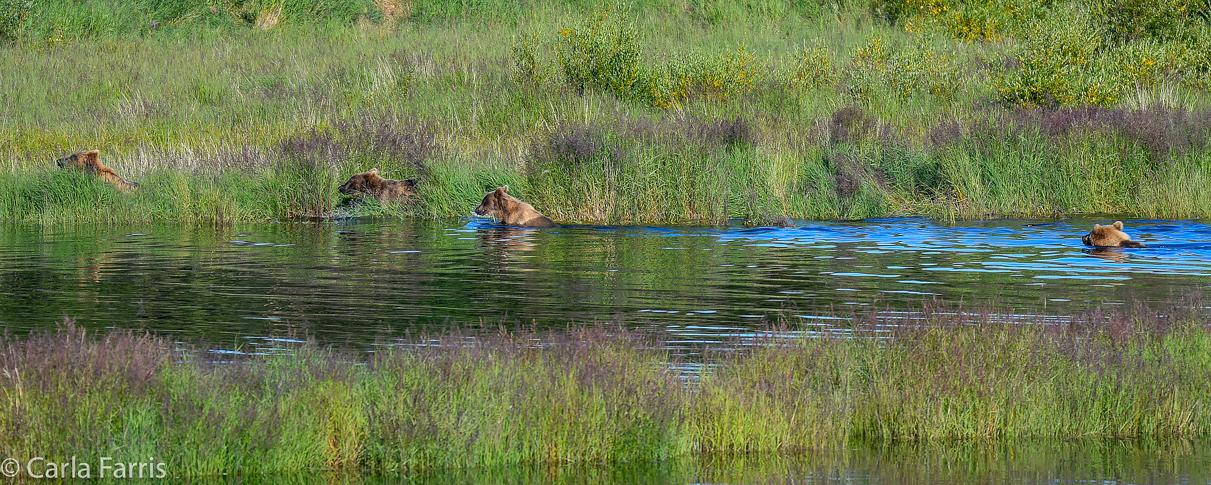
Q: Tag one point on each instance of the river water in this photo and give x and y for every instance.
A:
(358, 282)
(1027, 463)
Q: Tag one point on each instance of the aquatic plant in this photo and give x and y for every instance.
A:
(593, 394)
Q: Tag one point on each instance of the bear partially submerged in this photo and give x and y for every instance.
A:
(510, 211)
(1111, 236)
(383, 189)
(88, 162)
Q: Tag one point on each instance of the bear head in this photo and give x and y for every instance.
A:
(365, 182)
(496, 204)
(87, 161)
(1108, 236)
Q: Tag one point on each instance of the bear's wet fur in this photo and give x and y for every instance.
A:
(510, 211)
(89, 162)
(373, 185)
(1111, 236)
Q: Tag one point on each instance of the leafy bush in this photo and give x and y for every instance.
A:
(528, 66)
(814, 68)
(602, 52)
(698, 76)
(13, 14)
(916, 68)
(1143, 63)
(922, 69)
(1127, 20)
(866, 67)
(1060, 64)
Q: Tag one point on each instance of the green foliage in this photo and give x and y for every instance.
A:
(1158, 20)
(722, 12)
(866, 70)
(528, 64)
(1071, 53)
(1061, 63)
(921, 69)
(56, 21)
(815, 68)
(716, 78)
(916, 68)
(1143, 63)
(602, 52)
(13, 14)
(473, 11)
(593, 395)
(197, 109)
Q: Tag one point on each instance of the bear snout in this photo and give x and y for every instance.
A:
(1085, 240)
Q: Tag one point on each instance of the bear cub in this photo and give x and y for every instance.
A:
(510, 211)
(383, 189)
(1111, 236)
(88, 162)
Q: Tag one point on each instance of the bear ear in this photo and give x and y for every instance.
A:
(1118, 225)
(91, 155)
(1097, 227)
(504, 189)
(373, 171)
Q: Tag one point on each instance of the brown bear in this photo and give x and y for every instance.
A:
(509, 210)
(88, 163)
(1111, 236)
(383, 189)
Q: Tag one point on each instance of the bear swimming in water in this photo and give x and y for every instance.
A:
(1111, 236)
(511, 211)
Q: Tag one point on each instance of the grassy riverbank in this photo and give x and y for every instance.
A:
(648, 112)
(604, 396)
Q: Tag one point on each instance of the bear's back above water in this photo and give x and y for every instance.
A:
(383, 189)
(1111, 236)
(89, 162)
(510, 211)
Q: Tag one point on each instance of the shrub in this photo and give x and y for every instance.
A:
(735, 132)
(921, 69)
(847, 173)
(698, 76)
(1143, 63)
(866, 67)
(13, 14)
(814, 68)
(528, 66)
(971, 21)
(1192, 60)
(916, 68)
(602, 52)
(1127, 20)
(1060, 64)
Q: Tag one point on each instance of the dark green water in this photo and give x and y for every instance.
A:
(363, 282)
(367, 283)
(1075, 462)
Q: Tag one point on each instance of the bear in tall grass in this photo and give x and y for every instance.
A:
(510, 211)
(373, 185)
(1111, 236)
(88, 162)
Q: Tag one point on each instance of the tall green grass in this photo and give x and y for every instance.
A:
(594, 395)
(699, 113)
